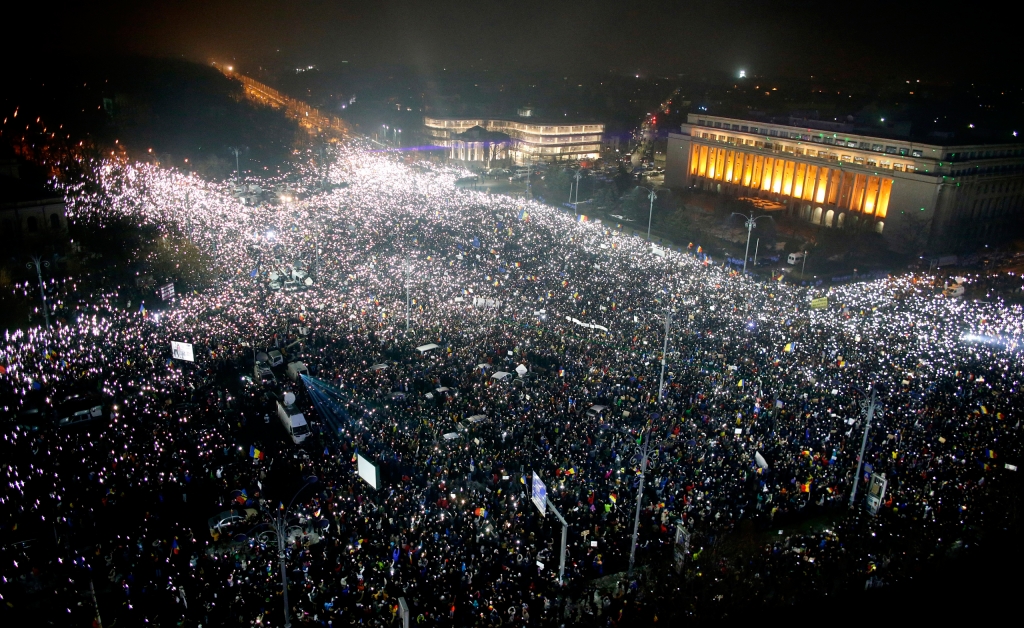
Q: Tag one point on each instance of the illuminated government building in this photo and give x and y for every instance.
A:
(918, 196)
(519, 141)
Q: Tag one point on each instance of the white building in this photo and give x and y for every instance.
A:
(918, 196)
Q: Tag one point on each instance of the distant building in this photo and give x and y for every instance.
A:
(28, 213)
(526, 141)
(918, 196)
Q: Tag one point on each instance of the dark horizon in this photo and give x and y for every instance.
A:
(786, 38)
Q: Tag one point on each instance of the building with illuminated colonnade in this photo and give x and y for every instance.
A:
(527, 141)
(918, 196)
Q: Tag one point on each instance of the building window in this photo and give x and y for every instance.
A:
(877, 148)
(916, 153)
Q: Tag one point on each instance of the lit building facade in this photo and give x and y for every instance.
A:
(918, 196)
(528, 141)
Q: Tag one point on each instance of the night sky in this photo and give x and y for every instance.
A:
(788, 37)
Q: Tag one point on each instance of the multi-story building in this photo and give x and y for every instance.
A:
(920, 197)
(527, 141)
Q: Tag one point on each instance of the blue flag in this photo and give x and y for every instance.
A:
(476, 242)
(254, 271)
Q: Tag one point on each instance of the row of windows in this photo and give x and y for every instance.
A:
(832, 186)
(32, 224)
(868, 162)
(819, 138)
(1000, 187)
(984, 154)
(977, 170)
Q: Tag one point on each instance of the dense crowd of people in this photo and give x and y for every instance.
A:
(760, 419)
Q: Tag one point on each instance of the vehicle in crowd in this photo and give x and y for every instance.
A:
(230, 521)
(292, 419)
(77, 409)
(276, 358)
(795, 258)
(296, 370)
(595, 410)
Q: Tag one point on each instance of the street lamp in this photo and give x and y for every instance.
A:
(749, 224)
(868, 406)
(642, 455)
(279, 526)
(37, 262)
(576, 205)
(650, 212)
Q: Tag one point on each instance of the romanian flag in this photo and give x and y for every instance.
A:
(788, 348)
(581, 218)
(700, 250)
(241, 499)
(561, 372)
(571, 471)
(805, 488)
(984, 410)
(255, 453)
(991, 453)
(613, 498)
(524, 215)
(174, 545)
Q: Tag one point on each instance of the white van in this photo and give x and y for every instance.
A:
(292, 419)
(296, 370)
(795, 258)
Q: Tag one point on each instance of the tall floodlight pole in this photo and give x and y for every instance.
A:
(863, 444)
(803, 266)
(576, 205)
(39, 263)
(756, 245)
(644, 451)
(651, 194)
(749, 224)
(407, 298)
(237, 169)
(664, 351)
(570, 198)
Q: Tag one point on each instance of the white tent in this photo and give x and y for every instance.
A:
(451, 435)
(500, 375)
(378, 367)
(476, 418)
(427, 347)
(522, 370)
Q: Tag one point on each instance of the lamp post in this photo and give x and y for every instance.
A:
(279, 526)
(803, 266)
(576, 205)
(870, 414)
(652, 194)
(749, 224)
(237, 170)
(40, 263)
(644, 450)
